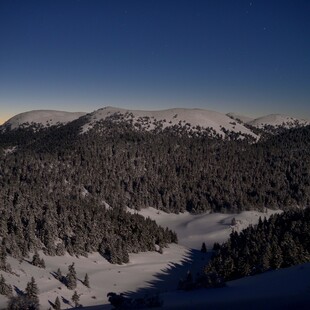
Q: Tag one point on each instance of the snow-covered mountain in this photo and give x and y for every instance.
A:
(95, 171)
(278, 120)
(191, 118)
(42, 118)
(274, 120)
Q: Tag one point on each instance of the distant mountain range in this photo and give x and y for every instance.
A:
(192, 119)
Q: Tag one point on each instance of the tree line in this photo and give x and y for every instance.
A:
(61, 184)
(281, 241)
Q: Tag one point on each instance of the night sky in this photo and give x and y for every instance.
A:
(249, 57)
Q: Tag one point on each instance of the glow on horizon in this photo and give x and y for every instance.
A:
(226, 56)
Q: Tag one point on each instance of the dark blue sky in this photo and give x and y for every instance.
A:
(251, 57)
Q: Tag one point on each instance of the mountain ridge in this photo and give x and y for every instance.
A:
(191, 118)
(42, 117)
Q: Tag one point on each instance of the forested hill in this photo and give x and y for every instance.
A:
(279, 242)
(65, 190)
(46, 202)
(170, 169)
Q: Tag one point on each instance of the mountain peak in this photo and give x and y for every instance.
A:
(43, 118)
(191, 118)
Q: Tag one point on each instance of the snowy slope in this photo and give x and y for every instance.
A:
(42, 117)
(192, 117)
(242, 118)
(103, 276)
(277, 120)
(282, 289)
(192, 229)
(148, 120)
(151, 270)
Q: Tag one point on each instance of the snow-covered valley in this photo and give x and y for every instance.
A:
(152, 272)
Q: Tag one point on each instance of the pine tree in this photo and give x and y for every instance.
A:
(57, 305)
(42, 263)
(233, 222)
(75, 298)
(3, 264)
(86, 280)
(216, 246)
(37, 261)
(203, 248)
(22, 302)
(71, 277)
(5, 289)
(32, 291)
(58, 275)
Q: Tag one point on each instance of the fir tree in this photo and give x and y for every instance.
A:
(32, 291)
(37, 261)
(57, 305)
(71, 277)
(75, 298)
(5, 289)
(58, 275)
(203, 248)
(86, 280)
(22, 302)
(3, 264)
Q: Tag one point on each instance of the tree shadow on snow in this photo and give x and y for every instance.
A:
(18, 291)
(51, 304)
(167, 279)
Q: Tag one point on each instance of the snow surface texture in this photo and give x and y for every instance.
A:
(42, 117)
(149, 272)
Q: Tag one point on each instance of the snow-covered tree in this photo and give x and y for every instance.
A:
(75, 298)
(32, 291)
(86, 280)
(71, 277)
(5, 289)
(57, 305)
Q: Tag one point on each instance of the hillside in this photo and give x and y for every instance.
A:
(41, 118)
(194, 121)
(145, 273)
(168, 170)
(277, 120)
(191, 118)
